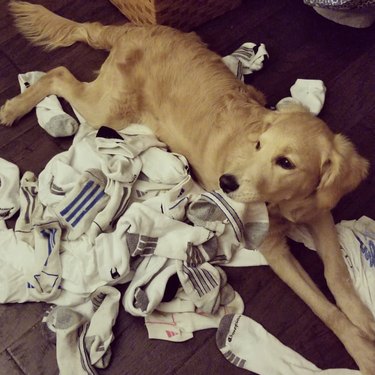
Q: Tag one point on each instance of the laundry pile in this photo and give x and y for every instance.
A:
(118, 208)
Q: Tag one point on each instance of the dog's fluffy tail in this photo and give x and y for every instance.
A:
(45, 28)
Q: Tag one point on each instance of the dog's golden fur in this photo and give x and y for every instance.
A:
(290, 159)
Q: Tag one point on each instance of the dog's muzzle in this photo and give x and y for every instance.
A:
(228, 183)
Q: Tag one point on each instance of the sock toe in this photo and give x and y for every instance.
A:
(62, 318)
(61, 125)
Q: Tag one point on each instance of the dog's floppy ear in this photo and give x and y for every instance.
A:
(341, 172)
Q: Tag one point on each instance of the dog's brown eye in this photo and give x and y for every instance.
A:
(284, 163)
(257, 146)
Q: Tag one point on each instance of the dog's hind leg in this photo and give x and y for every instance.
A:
(58, 81)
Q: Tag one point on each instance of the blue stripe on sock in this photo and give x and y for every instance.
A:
(85, 200)
(88, 208)
(77, 198)
(50, 234)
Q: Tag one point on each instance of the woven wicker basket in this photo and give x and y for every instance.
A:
(183, 14)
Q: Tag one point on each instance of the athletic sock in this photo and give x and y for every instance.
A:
(9, 189)
(202, 284)
(308, 92)
(135, 299)
(249, 57)
(49, 112)
(79, 208)
(178, 319)
(31, 210)
(246, 344)
(99, 334)
(71, 354)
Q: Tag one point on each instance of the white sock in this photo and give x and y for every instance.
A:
(150, 232)
(49, 112)
(148, 268)
(175, 167)
(236, 225)
(71, 353)
(147, 297)
(249, 57)
(246, 344)
(45, 277)
(9, 189)
(178, 319)
(202, 284)
(31, 211)
(99, 334)
(79, 208)
(111, 142)
(308, 92)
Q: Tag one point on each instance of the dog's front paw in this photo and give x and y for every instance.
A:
(7, 116)
(362, 317)
(362, 350)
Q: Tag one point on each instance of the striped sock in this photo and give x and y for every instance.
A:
(79, 208)
(202, 284)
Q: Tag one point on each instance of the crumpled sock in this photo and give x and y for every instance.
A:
(246, 59)
(71, 353)
(308, 92)
(99, 334)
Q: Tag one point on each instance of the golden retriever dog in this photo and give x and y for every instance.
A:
(169, 80)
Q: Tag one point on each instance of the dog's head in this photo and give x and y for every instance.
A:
(297, 163)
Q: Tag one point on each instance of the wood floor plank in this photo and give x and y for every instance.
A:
(345, 108)
(8, 366)
(17, 319)
(308, 47)
(34, 354)
(237, 25)
(32, 150)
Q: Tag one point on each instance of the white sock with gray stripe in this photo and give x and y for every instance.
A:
(9, 187)
(202, 284)
(99, 334)
(71, 354)
(246, 344)
(248, 58)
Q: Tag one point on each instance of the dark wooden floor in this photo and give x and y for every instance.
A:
(301, 45)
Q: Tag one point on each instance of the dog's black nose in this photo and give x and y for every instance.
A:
(228, 183)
